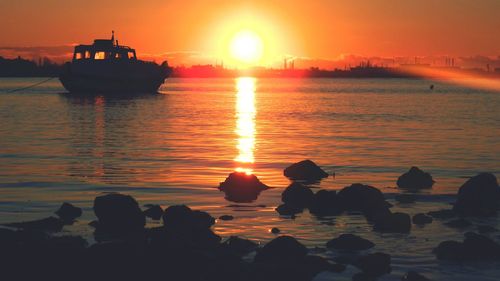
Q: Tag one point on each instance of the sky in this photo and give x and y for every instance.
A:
(201, 31)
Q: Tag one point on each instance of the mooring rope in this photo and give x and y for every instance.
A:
(28, 87)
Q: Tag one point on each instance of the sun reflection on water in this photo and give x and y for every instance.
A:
(245, 123)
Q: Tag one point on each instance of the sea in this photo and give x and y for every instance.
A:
(176, 146)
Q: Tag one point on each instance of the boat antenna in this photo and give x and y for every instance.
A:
(113, 36)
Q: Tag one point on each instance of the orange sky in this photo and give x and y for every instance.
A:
(314, 29)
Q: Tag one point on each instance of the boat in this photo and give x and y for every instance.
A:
(105, 67)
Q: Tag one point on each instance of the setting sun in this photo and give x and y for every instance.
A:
(247, 47)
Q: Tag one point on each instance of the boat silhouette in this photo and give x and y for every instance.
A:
(105, 67)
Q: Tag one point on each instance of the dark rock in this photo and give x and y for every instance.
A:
(474, 247)
(414, 276)
(239, 246)
(415, 179)
(282, 249)
(326, 203)
(182, 218)
(458, 223)
(118, 213)
(376, 264)
(350, 242)
(68, 213)
(361, 276)
(421, 219)
(50, 224)
(317, 264)
(226, 217)
(365, 198)
(297, 195)
(405, 198)
(305, 170)
(393, 222)
(442, 214)
(478, 196)
(154, 212)
(486, 229)
(275, 230)
(242, 188)
(286, 210)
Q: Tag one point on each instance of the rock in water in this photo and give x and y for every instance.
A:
(305, 170)
(376, 264)
(365, 198)
(478, 196)
(50, 224)
(182, 218)
(415, 179)
(414, 276)
(405, 198)
(226, 217)
(393, 222)
(326, 203)
(282, 249)
(421, 219)
(475, 247)
(118, 213)
(155, 212)
(68, 213)
(297, 195)
(242, 188)
(350, 242)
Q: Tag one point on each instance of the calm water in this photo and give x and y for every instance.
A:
(176, 146)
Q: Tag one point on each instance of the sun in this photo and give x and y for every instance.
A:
(247, 47)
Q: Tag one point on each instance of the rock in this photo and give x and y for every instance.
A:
(182, 218)
(361, 276)
(68, 213)
(474, 247)
(326, 203)
(376, 264)
(286, 210)
(393, 222)
(442, 214)
(297, 195)
(154, 212)
(118, 213)
(239, 246)
(282, 249)
(421, 219)
(414, 276)
(317, 264)
(486, 229)
(350, 242)
(275, 230)
(50, 224)
(305, 170)
(478, 196)
(226, 217)
(405, 198)
(242, 188)
(365, 198)
(458, 223)
(415, 179)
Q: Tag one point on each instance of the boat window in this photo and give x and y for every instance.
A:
(100, 55)
(78, 56)
(87, 54)
(118, 56)
(131, 55)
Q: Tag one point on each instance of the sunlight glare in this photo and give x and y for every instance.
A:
(247, 47)
(245, 124)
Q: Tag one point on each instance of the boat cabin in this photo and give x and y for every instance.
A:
(104, 49)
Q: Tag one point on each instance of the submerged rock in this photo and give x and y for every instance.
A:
(414, 276)
(50, 224)
(405, 198)
(421, 219)
(118, 213)
(241, 187)
(68, 213)
(478, 196)
(442, 214)
(375, 265)
(226, 217)
(474, 247)
(350, 242)
(154, 212)
(458, 223)
(326, 203)
(393, 222)
(275, 230)
(282, 249)
(305, 170)
(415, 179)
(287, 210)
(297, 195)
